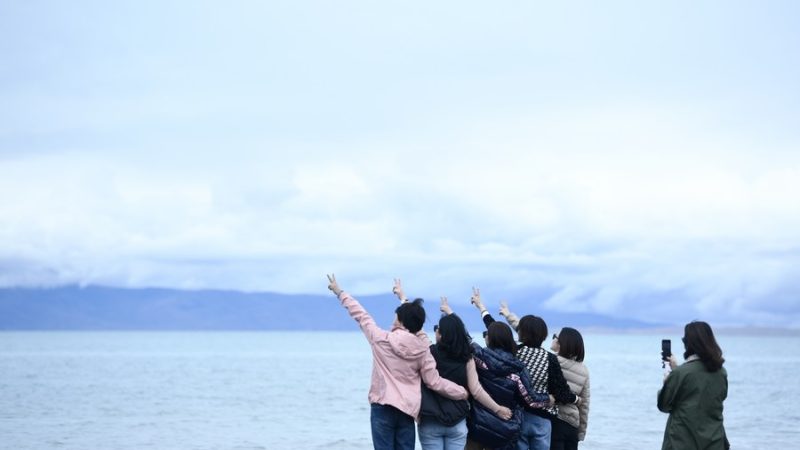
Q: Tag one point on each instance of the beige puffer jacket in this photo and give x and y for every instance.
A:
(577, 376)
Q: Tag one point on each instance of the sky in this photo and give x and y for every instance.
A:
(634, 159)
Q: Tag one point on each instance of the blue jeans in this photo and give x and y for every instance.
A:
(392, 429)
(535, 433)
(435, 436)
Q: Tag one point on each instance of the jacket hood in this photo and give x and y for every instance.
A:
(500, 362)
(407, 345)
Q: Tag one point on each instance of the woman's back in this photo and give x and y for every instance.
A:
(450, 367)
(693, 396)
(535, 360)
(577, 376)
(693, 393)
(495, 368)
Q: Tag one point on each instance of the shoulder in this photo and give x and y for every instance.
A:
(575, 366)
(691, 367)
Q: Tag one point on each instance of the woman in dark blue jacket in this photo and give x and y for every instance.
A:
(505, 379)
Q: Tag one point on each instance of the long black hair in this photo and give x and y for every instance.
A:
(698, 338)
(454, 341)
(500, 336)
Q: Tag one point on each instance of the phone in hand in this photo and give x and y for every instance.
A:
(666, 349)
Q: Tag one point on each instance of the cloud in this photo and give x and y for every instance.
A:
(537, 162)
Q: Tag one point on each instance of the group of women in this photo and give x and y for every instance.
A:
(522, 396)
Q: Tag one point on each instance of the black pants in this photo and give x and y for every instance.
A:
(564, 436)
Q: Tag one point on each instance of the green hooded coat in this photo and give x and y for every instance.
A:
(693, 398)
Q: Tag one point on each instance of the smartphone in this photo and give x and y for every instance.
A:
(666, 349)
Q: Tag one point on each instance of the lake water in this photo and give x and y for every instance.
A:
(287, 390)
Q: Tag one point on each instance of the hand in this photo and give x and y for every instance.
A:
(673, 363)
(444, 307)
(398, 290)
(504, 311)
(505, 413)
(476, 299)
(333, 285)
(552, 400)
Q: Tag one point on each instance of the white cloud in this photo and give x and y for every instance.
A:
(286, 148)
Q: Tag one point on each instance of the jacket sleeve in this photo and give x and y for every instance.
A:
(365, 321)
(477, 390)
(513, 320)
(668, 393)
(556, 383)
(432, 379)
(488, 320)
(530, 399)
(583, 410)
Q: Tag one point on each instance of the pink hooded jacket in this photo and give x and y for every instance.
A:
(399, 360)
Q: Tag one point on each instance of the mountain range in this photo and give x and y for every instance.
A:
(111, 308)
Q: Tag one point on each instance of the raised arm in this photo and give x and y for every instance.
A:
(481, 395)
(668, 393)
(398, 291)
(357, 312)
(444, 307)
(476, 300)
(510, 317)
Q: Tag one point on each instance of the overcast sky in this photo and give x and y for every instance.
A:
(636, 159)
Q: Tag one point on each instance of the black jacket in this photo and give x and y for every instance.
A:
(436, 407)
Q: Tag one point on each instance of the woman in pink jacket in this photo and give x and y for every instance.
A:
(400, 359)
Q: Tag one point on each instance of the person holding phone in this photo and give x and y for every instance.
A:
(693, 394)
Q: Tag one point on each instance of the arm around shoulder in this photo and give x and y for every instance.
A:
(557, 384)
(477, 391)
(430, 376)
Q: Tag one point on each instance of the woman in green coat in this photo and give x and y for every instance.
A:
(693, 394)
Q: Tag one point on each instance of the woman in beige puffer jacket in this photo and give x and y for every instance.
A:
(570, 426)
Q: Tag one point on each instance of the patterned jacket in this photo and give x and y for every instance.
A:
(544, 371)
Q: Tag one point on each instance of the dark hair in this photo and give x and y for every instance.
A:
(411, 315)
(532, 331)
(500, 336)
(455, 341)
(698, 338)
(570, 344)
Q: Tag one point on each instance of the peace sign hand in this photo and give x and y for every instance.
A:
(444, 307)
(476, 299)
(504, 311)
(333, 285)
(398, 290)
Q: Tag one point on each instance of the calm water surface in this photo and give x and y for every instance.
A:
(286, 390)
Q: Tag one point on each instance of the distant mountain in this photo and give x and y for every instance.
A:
(107, 308)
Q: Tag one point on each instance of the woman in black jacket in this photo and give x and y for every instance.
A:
(443, 422)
